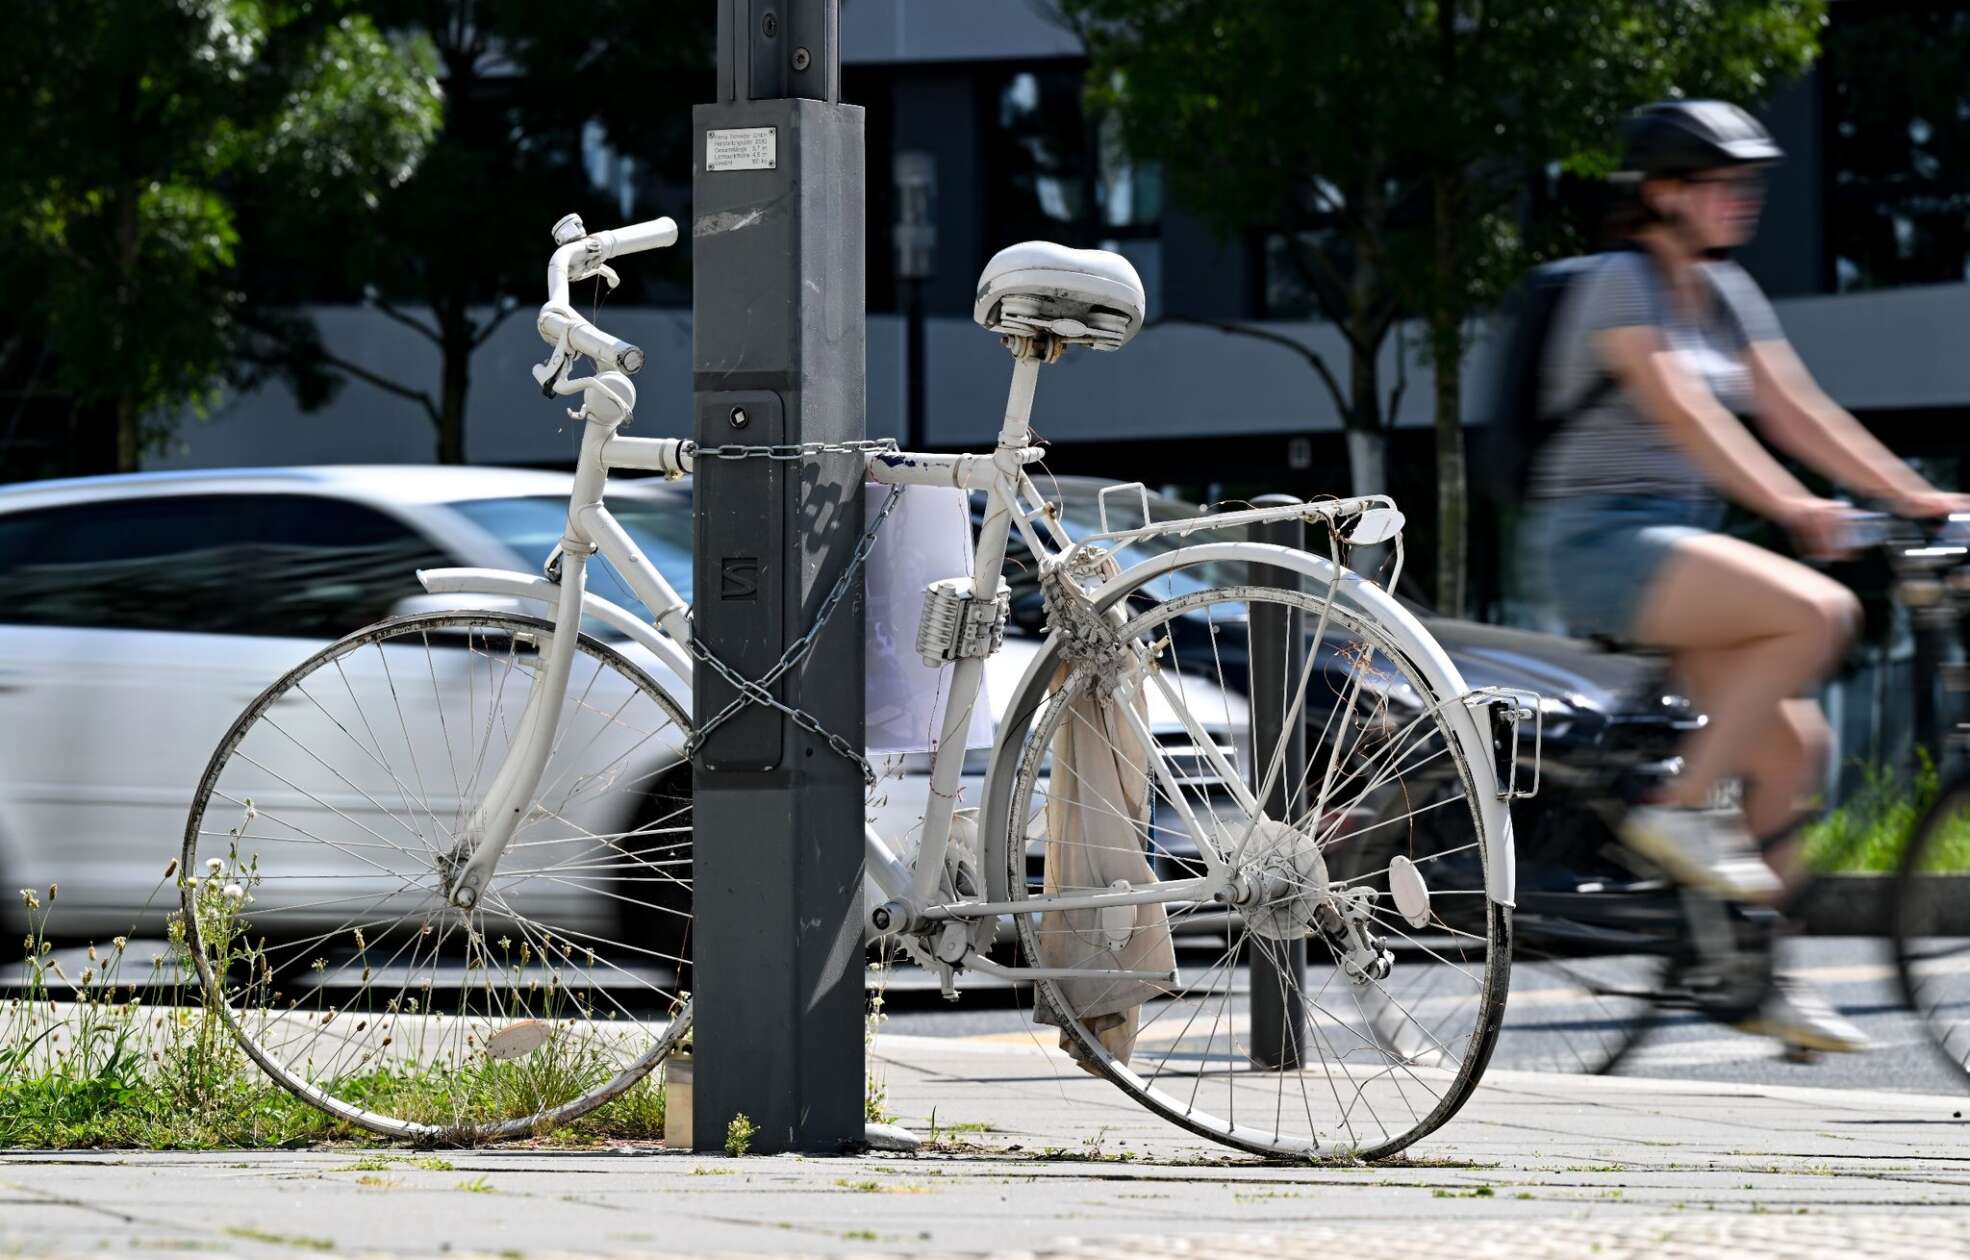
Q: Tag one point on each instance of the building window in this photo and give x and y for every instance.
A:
(1054, 174)
(1898, 144)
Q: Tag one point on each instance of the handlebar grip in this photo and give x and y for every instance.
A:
(611, 353)
(637, 237)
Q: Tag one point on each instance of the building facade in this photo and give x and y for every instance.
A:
(1865, 248)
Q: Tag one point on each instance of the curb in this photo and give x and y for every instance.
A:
(1859, 905)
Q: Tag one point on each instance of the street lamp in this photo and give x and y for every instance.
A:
(915, 176)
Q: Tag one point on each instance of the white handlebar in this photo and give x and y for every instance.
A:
(581, 258)
(637, 237)
(611, 354)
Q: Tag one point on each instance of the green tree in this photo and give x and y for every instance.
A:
(134, 131)
(1390, 144)
(463, 243)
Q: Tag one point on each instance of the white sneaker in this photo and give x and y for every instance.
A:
(1700, 848)
(1798, 1015)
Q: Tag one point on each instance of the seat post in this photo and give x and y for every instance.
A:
(1029, 354)
(1018, 427)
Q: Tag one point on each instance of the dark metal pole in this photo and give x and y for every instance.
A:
(777, 357)
(915, 232)
(1277, 650)
(916, 436)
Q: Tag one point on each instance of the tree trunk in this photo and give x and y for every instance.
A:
(128, 439)
(129, 405)
(1367, 441)
(1368, 462)
(1447, 357)
(1452, 491)
(451, 400)
(1367, 444)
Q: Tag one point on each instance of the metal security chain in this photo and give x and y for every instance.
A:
(795, 450)
(757, 691)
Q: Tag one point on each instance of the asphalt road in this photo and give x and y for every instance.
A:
(1851, 972)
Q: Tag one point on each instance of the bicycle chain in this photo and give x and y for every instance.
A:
(756, 691)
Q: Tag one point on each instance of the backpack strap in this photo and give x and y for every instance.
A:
(1605, 384)
(1596, 394)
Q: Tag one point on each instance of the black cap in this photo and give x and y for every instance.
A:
(1672, 138)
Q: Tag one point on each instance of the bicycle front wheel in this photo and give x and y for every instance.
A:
(1352, 1010)
(314, 871)
(1931, 924)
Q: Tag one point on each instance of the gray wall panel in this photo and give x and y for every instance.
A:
(1896, 348)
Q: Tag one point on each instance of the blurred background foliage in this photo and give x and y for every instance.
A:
(178, 180)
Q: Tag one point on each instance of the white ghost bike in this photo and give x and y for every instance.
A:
(456, 846)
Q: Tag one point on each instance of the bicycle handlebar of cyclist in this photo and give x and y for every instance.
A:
(580, 258)
(1864, 530)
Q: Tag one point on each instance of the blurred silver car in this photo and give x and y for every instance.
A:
(140, 614)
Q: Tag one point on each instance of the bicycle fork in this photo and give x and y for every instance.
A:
(486, 833)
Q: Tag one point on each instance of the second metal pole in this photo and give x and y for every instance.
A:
(1277, 653)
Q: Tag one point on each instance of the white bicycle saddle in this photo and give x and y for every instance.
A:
(1088, 297)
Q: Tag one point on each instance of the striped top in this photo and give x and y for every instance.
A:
(1612, 447)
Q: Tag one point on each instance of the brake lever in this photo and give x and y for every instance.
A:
(545, 374)
(598, 268)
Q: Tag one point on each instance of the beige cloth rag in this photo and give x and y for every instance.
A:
(1097, 816)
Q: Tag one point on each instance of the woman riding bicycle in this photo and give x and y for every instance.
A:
(1668, 344)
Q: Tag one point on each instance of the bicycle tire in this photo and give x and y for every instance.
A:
(1929, 924)
(1401, 1049)
(522, 1050)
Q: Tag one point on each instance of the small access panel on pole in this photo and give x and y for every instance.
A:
(777, 361)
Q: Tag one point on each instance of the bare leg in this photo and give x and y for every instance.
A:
(1751, 630)
(1784, 765)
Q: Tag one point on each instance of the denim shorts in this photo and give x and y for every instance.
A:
(1592, 557)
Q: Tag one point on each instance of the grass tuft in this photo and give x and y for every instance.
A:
(1868, 833)
(102, 1060)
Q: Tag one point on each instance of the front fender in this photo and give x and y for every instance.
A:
(1433, 667)
(509, 585)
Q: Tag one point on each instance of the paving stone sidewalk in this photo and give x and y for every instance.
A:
(1048, 1162)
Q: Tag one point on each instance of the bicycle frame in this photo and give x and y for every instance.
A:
(1013, 503)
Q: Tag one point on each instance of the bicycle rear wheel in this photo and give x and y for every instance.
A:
(313, 882)
(1930, 924)
(1385, 1056)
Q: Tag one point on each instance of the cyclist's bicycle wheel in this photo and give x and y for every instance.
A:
(1931, 923)
(1390, 1050)
(1592, 972)
(1592, 985)
(313, 872)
